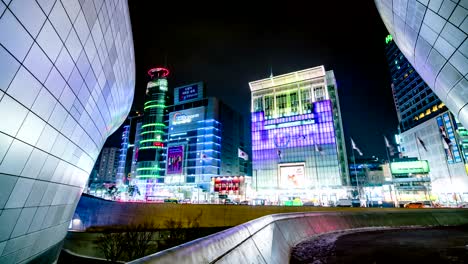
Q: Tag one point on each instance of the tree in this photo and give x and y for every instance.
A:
(178, 234)
(111, 245)
(138, 239)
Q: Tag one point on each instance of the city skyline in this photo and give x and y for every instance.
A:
(227, 55)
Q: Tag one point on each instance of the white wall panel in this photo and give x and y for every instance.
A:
(55, 118)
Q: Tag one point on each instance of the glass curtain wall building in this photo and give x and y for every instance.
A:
(428, 131)
(433, 37)
(298, 148)
(204, 136)
(66, 83)
(414, 101)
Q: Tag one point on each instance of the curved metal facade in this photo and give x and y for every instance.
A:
(433, 37)
(67, 78)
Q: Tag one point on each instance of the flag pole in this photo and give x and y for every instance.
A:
(316, 174)
(357, 178)
(417, 145)
(388, 157)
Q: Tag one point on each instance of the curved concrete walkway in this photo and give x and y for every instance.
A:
(269, 239)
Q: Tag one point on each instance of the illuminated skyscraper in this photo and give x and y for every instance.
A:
(120, 177)
(433, 37)
(428, 131)
(415, 102)
(297, 137)
(150, 159)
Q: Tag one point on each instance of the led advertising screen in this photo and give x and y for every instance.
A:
(227, 184)
(294, 131)
(406, 167)
(175, 158)
(291, 176)
(186, 119)
(188, 93)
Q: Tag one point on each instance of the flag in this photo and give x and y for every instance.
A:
(387, 144)
(355, 147)
(447, 142)
(318, 149)
(390, 148)
(422, 143)
(242, 154)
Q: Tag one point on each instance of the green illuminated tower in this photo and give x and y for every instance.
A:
(150, 159)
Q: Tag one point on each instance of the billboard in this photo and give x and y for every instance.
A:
(312, 129)
(175, 158)
(406, 167)
(188, 93)
(227, 184)
(186, 119)
(449, 141)
(292, 175)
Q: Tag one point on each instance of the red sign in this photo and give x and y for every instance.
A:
(227, 184)
(158, 144)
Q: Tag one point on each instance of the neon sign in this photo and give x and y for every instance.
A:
(388, 39)
(181, 118)
(406, 167)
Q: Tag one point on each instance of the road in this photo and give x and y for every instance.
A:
(424, 245)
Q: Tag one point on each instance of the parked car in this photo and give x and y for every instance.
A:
(414, 205)
(171, 200)
(244, 203)
(227, 201)
(463, 205)
(344, 203)
(428, 204)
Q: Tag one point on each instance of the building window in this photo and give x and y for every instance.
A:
(294, 103)
(281, 104)
(269, 104)
(258, 104)
(319, 93)
(306, 101)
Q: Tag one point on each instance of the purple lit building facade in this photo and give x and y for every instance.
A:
(297, 137)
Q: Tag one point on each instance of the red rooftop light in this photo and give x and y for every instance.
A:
(160, 71)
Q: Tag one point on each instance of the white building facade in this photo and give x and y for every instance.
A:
(67, 77)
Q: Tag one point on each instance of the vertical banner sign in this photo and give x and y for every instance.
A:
(175, 156)
(448, 139)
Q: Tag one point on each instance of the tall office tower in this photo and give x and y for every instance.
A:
(414, 101)
(109, 162)
(151, 157)
(298, 147)
(66, 83)
(428, 131)
(204, 138)
(433, 37)
(136, 146)
(120, 176)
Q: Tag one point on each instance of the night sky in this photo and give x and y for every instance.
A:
(227, 46)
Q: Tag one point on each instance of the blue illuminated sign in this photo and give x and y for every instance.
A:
(188, 93)
(449, 140)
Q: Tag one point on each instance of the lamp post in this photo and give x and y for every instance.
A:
(357, 178)
(256, 180)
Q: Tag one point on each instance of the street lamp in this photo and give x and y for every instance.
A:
(256, 180)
